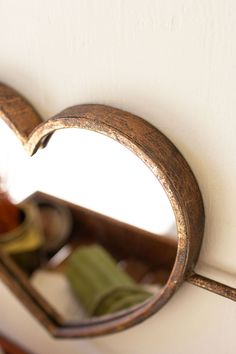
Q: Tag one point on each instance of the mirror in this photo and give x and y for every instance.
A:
(104, 235)
(121, 268)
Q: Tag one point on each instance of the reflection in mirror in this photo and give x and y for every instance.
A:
(91, 227)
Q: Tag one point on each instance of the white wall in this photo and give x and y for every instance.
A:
(173, 63)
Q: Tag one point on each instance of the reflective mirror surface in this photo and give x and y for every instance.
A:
(97, 231)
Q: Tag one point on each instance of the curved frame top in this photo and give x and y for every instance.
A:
(163, 159)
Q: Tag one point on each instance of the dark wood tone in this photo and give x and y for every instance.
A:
(90, 226)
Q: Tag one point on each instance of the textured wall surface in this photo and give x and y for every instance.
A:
(172, 62)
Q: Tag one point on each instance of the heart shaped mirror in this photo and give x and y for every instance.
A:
(108, 216)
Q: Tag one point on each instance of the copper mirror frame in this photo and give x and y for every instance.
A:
(169, 167)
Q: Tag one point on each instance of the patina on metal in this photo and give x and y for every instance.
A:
(169, 167)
